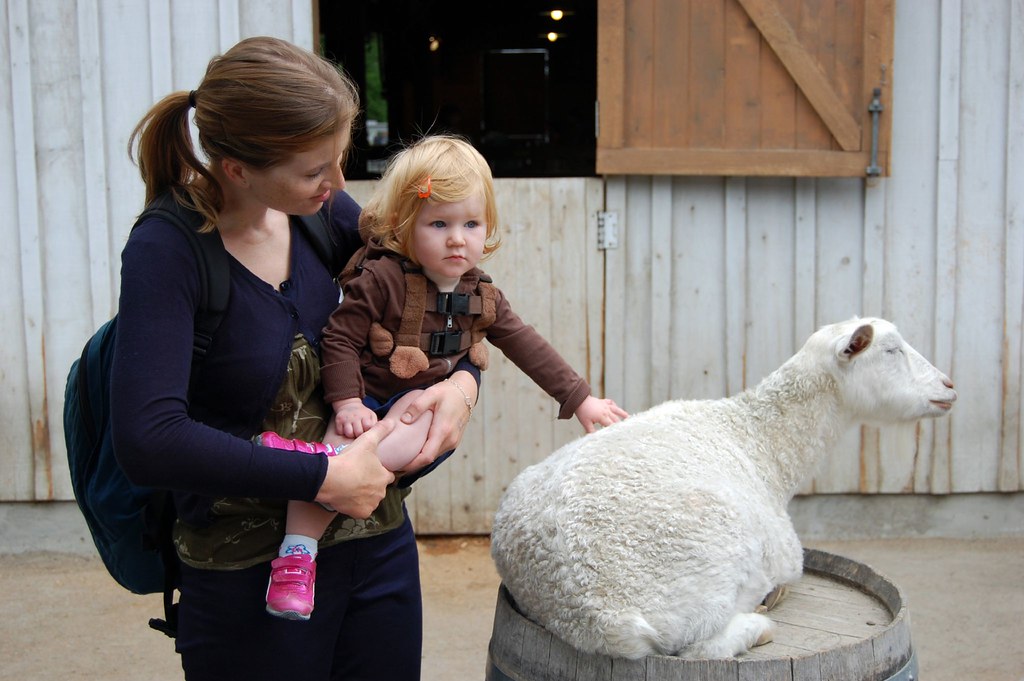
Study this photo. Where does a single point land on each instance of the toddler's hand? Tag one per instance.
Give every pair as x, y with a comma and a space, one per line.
597, 411
352, 418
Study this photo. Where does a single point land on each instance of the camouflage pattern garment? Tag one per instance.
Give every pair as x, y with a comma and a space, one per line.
245, 532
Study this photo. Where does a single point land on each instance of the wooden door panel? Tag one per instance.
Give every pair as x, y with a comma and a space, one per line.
742, 87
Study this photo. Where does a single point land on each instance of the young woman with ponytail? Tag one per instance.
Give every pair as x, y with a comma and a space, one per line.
273, 124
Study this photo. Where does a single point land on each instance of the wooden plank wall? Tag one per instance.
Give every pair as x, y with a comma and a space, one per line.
716, 280
77, 76
720, 280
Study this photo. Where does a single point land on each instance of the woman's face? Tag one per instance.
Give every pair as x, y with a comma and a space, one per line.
301, 184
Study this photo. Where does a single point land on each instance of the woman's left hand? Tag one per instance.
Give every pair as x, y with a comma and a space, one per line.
450, 401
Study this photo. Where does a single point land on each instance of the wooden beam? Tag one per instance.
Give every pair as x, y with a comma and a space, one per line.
797, 163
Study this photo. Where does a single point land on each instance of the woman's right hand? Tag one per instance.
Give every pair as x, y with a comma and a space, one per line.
356, 481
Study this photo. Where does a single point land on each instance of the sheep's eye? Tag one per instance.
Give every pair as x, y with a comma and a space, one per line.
895, 350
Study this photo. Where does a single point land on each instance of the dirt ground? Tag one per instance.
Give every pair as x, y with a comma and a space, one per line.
64, 618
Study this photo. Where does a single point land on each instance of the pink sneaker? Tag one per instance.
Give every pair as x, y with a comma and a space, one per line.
275, 441
291, 588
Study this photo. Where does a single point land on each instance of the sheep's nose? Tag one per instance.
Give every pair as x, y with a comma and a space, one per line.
949, 384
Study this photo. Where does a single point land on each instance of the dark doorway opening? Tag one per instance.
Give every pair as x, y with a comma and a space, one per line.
520, 84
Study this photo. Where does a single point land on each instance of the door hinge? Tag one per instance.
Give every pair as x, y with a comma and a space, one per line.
607, 230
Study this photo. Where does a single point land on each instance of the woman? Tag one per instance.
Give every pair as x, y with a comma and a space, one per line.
274, 122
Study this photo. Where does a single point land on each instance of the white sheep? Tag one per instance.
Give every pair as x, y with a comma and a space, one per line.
662, 534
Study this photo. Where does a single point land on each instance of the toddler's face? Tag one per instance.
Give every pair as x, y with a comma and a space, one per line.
448, 239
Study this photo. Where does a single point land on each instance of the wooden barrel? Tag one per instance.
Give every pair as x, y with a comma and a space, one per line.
841, 622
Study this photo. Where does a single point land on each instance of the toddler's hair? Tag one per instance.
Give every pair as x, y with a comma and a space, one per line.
435, 169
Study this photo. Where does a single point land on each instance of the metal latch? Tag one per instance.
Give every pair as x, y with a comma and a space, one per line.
607, 230
875, 109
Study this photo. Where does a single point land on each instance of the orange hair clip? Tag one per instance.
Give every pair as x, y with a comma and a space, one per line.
425, 192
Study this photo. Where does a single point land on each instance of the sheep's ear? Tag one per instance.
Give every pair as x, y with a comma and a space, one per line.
857, 343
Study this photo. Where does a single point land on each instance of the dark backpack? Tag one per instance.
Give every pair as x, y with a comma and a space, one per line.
131, 525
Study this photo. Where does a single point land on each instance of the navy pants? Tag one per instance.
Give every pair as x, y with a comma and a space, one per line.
367, 622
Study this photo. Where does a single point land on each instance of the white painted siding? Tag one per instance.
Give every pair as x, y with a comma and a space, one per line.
77, 77
715, 282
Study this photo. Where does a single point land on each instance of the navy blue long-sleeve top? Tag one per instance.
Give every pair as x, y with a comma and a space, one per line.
202, 448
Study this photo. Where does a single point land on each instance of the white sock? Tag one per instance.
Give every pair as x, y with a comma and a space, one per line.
298, 545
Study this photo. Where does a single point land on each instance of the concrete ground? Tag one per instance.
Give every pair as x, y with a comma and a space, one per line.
64, 618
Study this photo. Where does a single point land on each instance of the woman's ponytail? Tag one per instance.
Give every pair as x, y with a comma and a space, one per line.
161, 146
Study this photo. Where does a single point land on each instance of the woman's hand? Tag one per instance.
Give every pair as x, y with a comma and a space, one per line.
356, 481
451, 401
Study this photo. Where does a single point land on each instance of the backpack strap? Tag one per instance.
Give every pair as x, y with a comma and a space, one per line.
214, 269
319, 234
162, 516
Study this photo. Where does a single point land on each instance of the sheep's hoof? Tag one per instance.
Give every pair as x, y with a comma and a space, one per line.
775, 597
767, 636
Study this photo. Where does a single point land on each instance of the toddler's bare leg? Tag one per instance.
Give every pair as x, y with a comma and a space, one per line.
402, 444
308, 519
